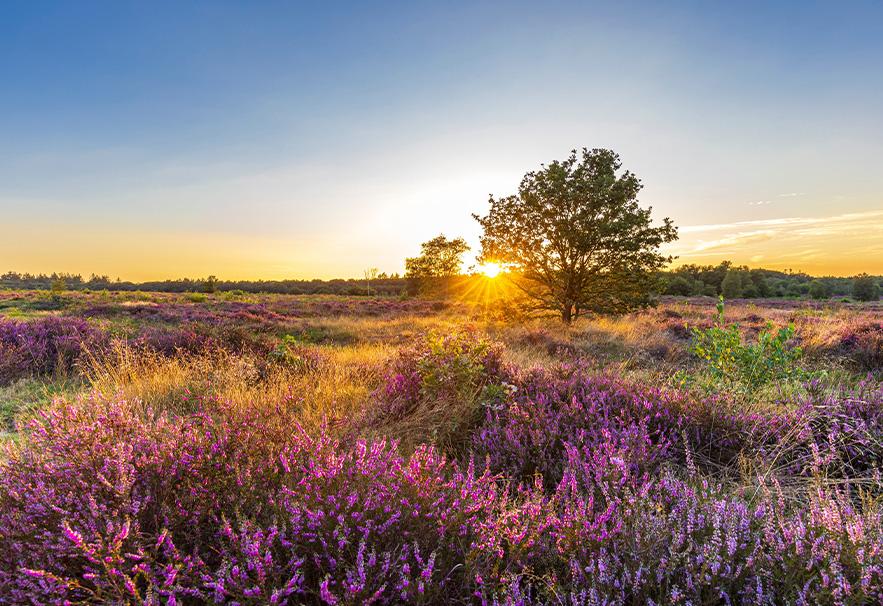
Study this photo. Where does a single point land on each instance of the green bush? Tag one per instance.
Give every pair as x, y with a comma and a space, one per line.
749, 366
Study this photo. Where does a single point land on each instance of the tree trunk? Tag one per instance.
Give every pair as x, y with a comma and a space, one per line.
567, 314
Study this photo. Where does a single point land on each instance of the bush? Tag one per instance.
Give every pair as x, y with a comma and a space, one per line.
231, 510
679, 286
749, 366
863, 345
436, 391
45, 346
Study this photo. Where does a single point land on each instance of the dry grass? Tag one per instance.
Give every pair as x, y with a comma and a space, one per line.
335, 388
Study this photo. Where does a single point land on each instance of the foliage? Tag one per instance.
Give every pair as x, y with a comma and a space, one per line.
863, 345
210, 285
435, 391
864, 288
59, 285
819, 290
679, 285
731, 286
230, 506
45, 346
750, 365
439, 261
577, 238
439, 258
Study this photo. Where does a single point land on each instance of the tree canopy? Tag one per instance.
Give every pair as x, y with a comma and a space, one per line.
864, 288
576, 238
439, 258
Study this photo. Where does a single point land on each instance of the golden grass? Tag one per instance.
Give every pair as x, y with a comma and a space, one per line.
333, 390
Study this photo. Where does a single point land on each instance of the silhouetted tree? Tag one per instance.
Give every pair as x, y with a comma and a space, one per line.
210, 284
440, 259
370, 274
576, 237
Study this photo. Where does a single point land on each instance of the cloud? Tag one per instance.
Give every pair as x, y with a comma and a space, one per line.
791, 195
845, 243
760, 203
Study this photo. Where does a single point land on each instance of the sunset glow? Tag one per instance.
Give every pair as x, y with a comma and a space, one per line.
491, 269
247, 149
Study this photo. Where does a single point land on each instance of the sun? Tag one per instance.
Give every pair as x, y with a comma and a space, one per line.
490, 269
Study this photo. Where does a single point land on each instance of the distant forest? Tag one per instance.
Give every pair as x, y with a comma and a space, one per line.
688, 280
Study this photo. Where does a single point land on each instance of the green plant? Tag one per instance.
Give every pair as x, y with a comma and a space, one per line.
751, 366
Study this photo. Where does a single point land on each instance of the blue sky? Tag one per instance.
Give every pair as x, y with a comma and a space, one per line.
296, 140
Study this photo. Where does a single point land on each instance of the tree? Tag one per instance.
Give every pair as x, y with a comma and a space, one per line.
59, 285
864, 288
679, 285
370, 274
439, 260
731, 287
576, 239
819, 290
210, 284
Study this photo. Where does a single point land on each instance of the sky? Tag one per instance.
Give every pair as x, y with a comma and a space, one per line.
151, 140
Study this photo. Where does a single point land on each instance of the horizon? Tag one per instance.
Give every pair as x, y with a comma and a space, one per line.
284, 142
389, 275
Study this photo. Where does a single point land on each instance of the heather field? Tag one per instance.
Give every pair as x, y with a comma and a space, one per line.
272, 449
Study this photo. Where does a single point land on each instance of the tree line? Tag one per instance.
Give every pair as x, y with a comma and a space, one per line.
381, 284
726, 279
738, 282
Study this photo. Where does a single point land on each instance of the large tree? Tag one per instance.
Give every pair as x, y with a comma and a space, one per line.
576, 238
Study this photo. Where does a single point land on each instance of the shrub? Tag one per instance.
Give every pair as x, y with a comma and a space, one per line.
863, 344
45, 346
232, 510
436, 391
680, 286
566, 408
749, 366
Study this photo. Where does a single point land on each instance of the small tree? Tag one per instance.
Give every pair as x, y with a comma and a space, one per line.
210, 284
440, 259
576, 238
370, 274
59, 285
864, 288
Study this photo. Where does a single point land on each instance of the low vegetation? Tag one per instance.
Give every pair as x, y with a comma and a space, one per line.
291, 450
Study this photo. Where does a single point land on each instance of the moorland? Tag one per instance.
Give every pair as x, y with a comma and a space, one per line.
276, 449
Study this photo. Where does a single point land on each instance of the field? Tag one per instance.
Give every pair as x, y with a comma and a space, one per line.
273, 449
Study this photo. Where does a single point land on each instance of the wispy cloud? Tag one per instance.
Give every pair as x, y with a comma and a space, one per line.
760, 203
840, 243
791, 195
